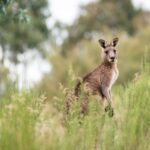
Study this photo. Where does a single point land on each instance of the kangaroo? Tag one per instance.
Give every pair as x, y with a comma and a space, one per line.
100, 80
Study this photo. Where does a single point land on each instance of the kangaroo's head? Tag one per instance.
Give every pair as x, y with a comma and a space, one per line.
109, 53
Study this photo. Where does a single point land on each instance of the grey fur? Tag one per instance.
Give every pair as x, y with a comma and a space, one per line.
100, 80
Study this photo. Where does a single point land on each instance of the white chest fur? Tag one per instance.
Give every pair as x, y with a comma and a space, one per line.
114, 77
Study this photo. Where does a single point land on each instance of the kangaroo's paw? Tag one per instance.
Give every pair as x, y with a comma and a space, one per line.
111, 112
107, 108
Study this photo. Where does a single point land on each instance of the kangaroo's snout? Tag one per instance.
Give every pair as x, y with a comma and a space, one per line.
112, 59
109, 55
112, 56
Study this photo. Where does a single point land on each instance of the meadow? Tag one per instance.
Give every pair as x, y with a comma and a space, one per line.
33, 98
29, 122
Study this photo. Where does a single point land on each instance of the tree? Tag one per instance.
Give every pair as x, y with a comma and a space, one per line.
114, 15
17, 33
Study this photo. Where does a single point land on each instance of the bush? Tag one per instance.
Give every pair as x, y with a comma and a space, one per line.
27, 121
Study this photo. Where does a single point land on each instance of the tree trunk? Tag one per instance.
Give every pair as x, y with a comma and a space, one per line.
3, 54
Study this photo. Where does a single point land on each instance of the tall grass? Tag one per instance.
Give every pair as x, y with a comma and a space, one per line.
30, 122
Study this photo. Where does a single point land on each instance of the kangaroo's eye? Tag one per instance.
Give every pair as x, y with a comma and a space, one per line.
106, 52
114, 51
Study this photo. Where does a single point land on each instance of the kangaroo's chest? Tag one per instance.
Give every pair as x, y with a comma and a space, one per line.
114, 76
105, 76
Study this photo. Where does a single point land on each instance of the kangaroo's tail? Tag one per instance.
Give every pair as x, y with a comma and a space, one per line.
78, 88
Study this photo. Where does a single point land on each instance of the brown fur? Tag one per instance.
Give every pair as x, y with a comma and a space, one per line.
100, 80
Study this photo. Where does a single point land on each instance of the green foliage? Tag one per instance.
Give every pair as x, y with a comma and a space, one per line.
23, 27
21, 15
18, 116
100, 16
3, 5
27, 121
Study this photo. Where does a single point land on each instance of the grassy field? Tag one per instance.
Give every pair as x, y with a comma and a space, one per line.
29, 122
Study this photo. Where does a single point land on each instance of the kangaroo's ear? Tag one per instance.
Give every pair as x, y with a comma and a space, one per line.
102, 43
115, 41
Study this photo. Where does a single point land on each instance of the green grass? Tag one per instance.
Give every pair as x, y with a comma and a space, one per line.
31, 122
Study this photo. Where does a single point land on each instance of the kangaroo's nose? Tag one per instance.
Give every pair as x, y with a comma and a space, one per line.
112, 58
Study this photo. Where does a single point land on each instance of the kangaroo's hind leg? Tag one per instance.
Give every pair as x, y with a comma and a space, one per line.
106, 93
111, 101
103, 101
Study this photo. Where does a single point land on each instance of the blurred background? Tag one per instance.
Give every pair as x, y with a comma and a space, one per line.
45, 45
40, 40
